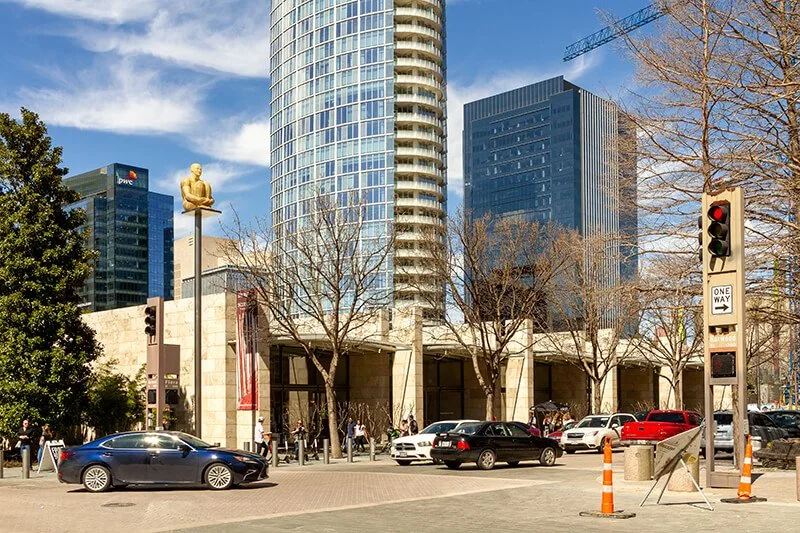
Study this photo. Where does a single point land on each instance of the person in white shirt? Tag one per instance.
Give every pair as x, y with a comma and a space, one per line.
258, 437
361, 436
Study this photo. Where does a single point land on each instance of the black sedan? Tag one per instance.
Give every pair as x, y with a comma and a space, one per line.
788, 420
157, 458
487, 443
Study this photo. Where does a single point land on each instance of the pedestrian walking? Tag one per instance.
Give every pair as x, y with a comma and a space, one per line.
299, 434
361, 436
165, 423
44, 438
546, 426
404, 428
532, 416
351, 434
413, 428
258, 437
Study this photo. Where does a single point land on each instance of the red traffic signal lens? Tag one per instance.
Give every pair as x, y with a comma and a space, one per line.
718, 213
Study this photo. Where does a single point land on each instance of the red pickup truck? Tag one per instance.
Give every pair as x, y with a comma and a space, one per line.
659, 425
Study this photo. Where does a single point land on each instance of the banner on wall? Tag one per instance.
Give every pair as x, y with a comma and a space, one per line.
246, 351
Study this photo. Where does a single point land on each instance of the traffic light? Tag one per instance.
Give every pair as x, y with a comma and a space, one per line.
719, 233
150, 320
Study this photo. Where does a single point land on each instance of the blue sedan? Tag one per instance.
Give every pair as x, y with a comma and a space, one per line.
157, 458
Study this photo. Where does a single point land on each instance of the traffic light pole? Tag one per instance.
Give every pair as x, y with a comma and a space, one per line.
724, 315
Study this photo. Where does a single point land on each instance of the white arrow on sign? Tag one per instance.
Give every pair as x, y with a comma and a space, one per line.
721, 299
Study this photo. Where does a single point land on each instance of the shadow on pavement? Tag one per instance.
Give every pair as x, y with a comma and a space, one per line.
174, 488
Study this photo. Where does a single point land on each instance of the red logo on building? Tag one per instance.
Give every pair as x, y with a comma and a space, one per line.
131, 175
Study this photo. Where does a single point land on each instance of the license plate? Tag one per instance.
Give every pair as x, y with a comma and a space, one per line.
444, 444
402, 454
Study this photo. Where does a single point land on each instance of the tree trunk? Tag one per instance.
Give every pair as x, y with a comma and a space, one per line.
677, 389
597, 397
333, 422
489, 405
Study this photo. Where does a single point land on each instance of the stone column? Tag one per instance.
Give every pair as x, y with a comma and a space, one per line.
407, 378
638, 463
519, 376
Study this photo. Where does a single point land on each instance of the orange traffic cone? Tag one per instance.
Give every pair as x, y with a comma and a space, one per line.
745, 482
607, 503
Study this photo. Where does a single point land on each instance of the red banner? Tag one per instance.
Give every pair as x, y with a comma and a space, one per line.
246, 351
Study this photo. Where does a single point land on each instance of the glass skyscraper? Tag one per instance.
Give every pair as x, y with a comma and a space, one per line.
551, 152
358, 110
132, 231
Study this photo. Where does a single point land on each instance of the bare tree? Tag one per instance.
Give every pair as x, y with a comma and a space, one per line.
324, 280
597, 312
672, 318
494, 272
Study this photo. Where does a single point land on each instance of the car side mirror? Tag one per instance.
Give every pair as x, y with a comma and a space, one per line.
614, 426
185, 448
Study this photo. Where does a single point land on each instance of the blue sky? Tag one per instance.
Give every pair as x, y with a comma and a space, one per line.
163, 83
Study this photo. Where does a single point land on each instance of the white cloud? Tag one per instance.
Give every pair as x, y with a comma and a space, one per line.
223, 177
120, 98
246, 142
459, 94
113, 11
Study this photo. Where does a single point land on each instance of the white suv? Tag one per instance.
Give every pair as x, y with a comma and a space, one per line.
589, 433
417, 447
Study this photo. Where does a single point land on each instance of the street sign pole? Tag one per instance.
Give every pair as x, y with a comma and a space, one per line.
724, 306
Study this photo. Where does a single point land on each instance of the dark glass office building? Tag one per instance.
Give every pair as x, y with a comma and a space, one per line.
131, 228
551, 152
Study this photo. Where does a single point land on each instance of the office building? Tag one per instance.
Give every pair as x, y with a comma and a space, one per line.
131, 228
358, 110
213, 258
550, 151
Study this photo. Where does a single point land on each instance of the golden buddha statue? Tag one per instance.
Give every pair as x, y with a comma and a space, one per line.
196, 192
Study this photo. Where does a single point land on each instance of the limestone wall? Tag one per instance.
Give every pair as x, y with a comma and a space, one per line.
635, 388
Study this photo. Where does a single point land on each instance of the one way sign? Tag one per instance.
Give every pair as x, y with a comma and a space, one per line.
721, 299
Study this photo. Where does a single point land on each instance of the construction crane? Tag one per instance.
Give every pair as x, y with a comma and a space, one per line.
612, 31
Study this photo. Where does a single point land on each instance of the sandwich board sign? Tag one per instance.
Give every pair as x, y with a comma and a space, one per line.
672, 453
50, 455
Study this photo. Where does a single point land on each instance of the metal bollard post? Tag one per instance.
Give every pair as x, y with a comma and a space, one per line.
301, 452
371, 448
1, 463
326, 452
349, 450
247, 446
26, 462
274, 444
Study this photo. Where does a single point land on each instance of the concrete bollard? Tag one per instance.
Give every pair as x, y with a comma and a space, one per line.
326, 451
26, 462
638, 463
1, 463
247, 446
301, 452
371, 449
349, 450
680, 481
275, 460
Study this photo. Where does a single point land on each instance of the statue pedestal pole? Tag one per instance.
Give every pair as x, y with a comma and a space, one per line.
199, 213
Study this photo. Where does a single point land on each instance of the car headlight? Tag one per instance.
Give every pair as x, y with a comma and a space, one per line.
241, 458
424, 443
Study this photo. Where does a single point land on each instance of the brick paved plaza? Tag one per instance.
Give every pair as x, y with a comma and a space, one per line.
385, 497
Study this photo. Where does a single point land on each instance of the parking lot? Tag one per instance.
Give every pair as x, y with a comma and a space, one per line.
385, 496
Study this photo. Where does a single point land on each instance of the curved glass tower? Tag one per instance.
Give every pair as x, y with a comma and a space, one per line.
358, 105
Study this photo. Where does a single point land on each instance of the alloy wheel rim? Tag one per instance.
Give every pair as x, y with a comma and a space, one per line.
96, 478
549, 456
487, 459
219, 476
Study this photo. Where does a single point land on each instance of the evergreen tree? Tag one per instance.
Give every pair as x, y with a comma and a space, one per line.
45, 347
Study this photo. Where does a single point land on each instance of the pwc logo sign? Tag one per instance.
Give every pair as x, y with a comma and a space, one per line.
126, 180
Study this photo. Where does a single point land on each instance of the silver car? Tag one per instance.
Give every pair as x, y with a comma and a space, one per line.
762, 428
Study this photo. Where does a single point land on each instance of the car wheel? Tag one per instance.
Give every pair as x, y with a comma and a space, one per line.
403, 463
548, 457
452, 465
97, 478
570, 451
219, 477
486, 460
513, 463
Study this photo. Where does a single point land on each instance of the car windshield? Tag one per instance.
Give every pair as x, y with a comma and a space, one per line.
439, 427
666, 417
723, 419
468, 429
194, 442
593, 422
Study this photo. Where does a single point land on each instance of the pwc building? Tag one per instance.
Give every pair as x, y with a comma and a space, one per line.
131, 229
